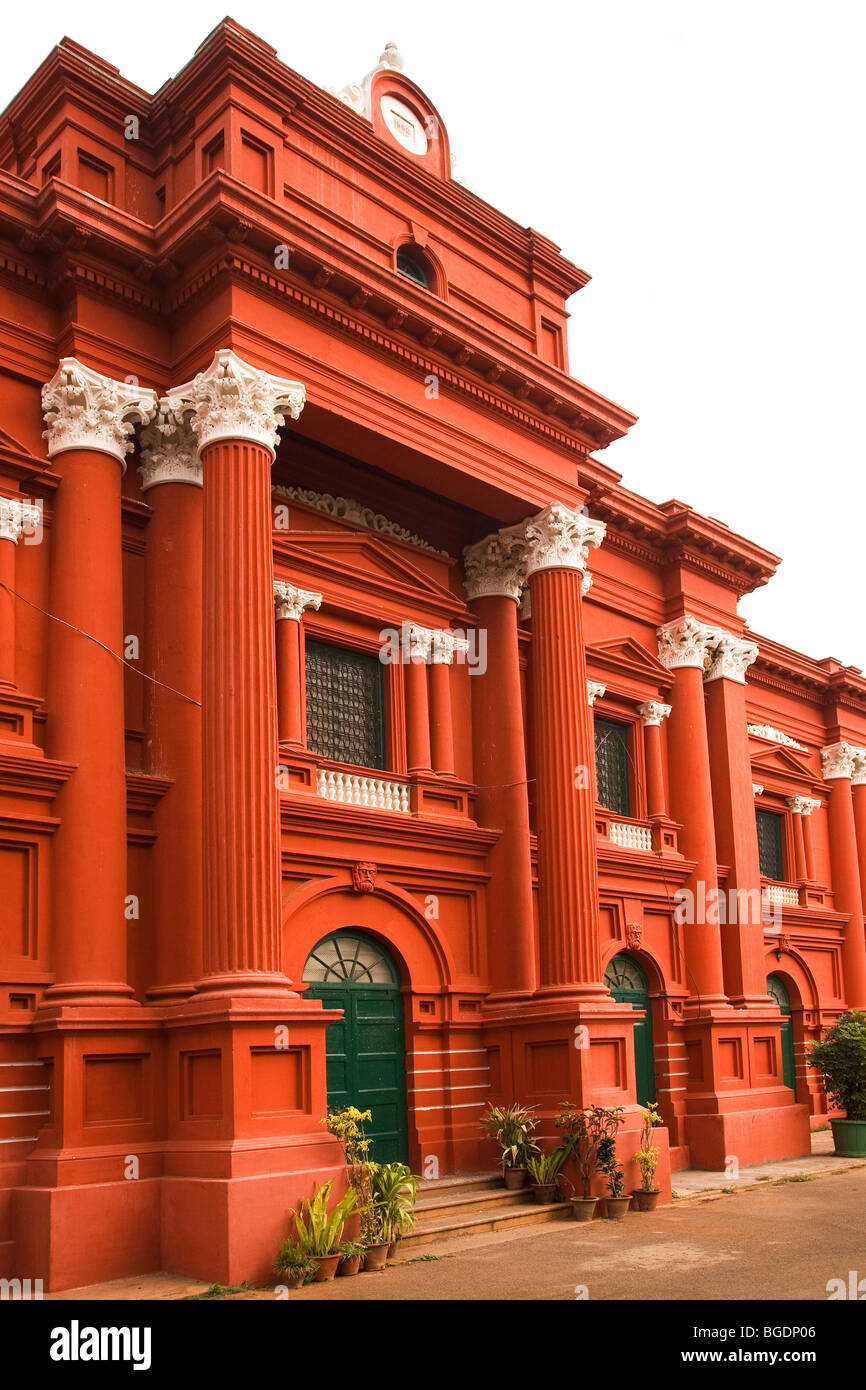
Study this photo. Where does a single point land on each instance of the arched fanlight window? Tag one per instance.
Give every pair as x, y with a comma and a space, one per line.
776, 990
348, 956
412, 264
624, 973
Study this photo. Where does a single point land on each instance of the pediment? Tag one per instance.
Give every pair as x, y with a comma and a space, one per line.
626, 656
16, 459
784, 762
363, 566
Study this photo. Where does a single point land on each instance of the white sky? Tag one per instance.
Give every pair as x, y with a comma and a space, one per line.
704, 162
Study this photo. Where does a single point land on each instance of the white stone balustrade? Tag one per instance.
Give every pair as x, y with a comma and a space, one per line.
352, 790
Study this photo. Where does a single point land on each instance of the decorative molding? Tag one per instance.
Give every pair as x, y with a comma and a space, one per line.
559, 538
364, 876
232, 400
594, 691
446, 645
417, 642
18, 517
85, 410
757, 789
682, 643
292, 603
348, 509
493, 567
169, 450
728, 657
837, 760
775, 736
633, 935
653, 713
859, 778
357, 94
802, 805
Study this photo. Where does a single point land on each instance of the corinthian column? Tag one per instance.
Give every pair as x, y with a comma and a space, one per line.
556, 544
444, 648
171, 480
801, 808
16, 518
837, 765
494, 577
234, 411
290, 605
742, 927
417, 645
652, 712
89, 424
682, 649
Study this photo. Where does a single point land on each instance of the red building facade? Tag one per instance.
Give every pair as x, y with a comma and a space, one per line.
361, 735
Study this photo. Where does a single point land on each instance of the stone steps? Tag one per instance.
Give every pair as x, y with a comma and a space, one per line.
468, 1205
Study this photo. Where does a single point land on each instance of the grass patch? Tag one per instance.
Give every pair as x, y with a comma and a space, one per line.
729, 1191
796, 1177
219, 1291
425, 1259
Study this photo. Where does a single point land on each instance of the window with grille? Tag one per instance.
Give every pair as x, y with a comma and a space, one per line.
611, 766
770, 844
345, 705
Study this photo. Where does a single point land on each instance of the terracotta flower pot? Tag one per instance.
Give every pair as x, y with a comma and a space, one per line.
292, 1278
646, 1201
583, 1208
348, 1267
326, 1267
543, 1192
375, 1257
515, 1178
617, 1207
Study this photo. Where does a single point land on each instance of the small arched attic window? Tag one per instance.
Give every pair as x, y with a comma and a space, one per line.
416, 265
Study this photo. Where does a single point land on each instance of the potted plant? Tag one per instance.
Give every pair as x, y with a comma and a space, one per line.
512, 1126
351, 1253
372, 1225
293, 1265
543, 1172
319, 1231
840, 1057
583, 1131
395, 1189
647, 1157
617, 1200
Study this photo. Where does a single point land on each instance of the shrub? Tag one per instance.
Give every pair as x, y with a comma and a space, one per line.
840, 1057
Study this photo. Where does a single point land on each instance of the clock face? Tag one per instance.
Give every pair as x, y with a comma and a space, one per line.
406, 126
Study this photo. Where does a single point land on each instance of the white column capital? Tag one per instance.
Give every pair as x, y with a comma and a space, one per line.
85, 410
494, 567
446, 645
653, 712
169, 450
594, 691
17, 517
859, 778
802, 805
837, 760
292, 603
757, 789
682, 642
728, 657
232, 400
559, 538
417, 642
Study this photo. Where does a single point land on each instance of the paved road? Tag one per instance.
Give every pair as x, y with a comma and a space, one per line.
766, 1242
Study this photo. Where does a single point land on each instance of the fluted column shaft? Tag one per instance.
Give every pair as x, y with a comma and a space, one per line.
500, 771
569, 938
838, 766
241, 840
173, 651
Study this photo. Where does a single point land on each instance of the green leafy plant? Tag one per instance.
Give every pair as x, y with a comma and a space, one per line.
840, 1057
349, 1250
544, 1168
609, 1120
292, 1258
347, 1123
647, 1156
395, 1189
512, 1127
318, 1230
585, 1132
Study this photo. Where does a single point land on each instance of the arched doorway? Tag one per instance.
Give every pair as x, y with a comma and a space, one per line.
365, 1051
778, 990
629, 985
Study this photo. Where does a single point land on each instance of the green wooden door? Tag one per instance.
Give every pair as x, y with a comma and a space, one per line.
365, 1048
629, 985
777, 990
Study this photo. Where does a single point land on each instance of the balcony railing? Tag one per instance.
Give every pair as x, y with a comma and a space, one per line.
631, 836
780, 895
352, 790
